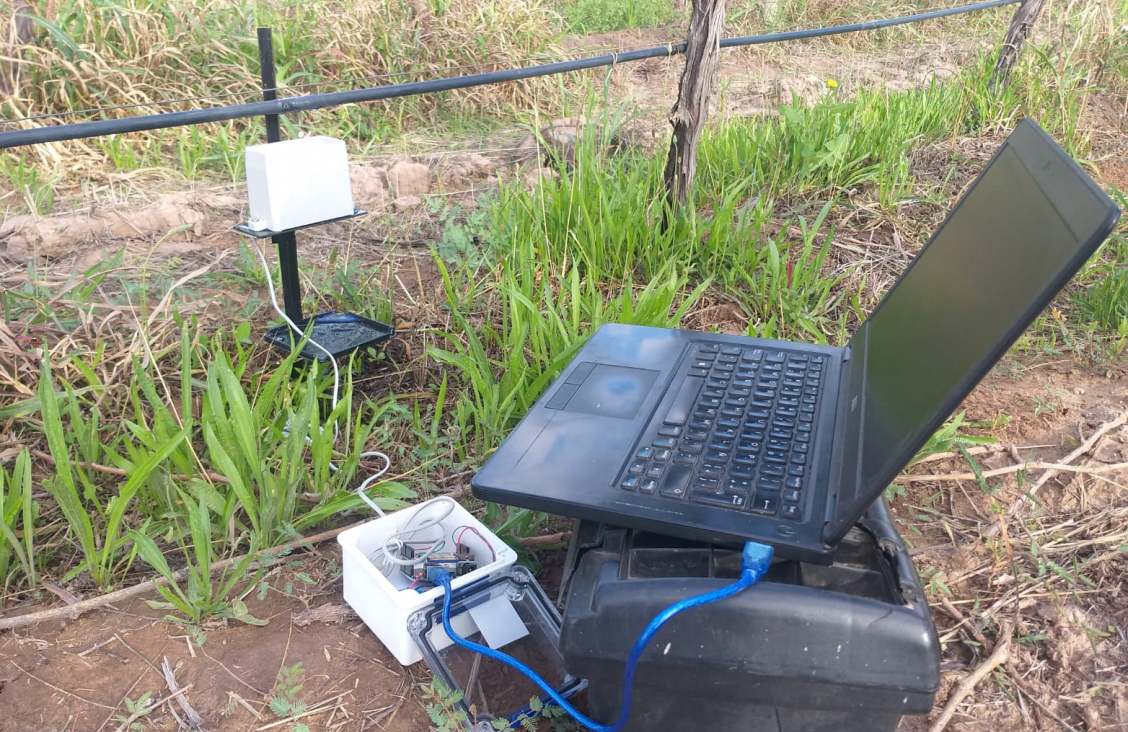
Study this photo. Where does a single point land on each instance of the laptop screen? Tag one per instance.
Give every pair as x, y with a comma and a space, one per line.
1012, 242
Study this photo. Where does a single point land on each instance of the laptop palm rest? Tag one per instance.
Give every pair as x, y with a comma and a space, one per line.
606, 391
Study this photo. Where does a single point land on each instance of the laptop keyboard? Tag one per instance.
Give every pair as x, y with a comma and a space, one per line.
738, 433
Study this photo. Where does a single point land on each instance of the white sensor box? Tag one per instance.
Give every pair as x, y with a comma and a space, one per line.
296, 183
385, 603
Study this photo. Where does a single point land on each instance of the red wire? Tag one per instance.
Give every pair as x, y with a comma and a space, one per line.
458, 540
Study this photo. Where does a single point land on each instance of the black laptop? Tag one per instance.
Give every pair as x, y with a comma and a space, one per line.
728, 438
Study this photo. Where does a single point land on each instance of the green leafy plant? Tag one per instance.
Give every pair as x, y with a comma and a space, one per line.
933, 579
949, 438
542, 324
788, 292
62, 486
284, 701
464, 239
208, 591
951, 435
35, 186
558, 719
17, 513
197, 636
442, 707
1105, 302
103, 557
122, 151
138, 710
428, 437
1049, 403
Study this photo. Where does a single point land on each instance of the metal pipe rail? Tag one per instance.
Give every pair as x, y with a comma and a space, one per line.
81, 130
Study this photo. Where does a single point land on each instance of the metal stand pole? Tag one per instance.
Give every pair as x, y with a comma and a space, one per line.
287, 243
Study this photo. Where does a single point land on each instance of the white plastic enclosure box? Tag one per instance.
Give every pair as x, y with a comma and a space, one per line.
382, 605
296, 183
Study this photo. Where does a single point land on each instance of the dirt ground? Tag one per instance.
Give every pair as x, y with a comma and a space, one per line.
1072, 664
53, 681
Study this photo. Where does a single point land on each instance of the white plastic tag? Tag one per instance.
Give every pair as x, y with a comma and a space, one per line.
499, 622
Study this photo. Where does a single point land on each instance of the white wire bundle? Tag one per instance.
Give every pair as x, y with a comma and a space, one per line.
391, 560
336, 391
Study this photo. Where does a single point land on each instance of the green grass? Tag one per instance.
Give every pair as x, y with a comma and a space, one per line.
18, 512
35, 187
101, 53
176, 442
98, 53
211, 447
746, 17
206, 593
1104, 300
540, 323
867, 141
602, 16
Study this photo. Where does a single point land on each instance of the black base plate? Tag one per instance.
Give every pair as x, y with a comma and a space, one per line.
245, 228
338, 333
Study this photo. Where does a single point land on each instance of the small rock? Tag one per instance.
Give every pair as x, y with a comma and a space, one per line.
369, 186
409, 179
406, 203
1003, 579
464, 170
534, 177
556, 142
1078, 391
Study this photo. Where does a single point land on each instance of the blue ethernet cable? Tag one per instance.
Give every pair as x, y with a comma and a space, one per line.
754, 563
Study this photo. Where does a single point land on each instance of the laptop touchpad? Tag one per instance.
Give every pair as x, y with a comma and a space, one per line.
613, 391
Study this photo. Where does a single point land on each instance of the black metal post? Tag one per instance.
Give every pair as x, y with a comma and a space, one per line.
287, 243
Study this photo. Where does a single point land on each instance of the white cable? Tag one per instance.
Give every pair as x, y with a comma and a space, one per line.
336, 390
409, 530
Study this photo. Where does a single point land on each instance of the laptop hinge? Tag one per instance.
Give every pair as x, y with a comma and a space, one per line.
836, 452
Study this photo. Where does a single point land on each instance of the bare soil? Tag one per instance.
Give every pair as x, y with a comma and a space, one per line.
67, 676
50, 683
1073, 659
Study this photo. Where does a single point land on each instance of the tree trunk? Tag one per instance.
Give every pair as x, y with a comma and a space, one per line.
18, 33
702, 57
1020, 28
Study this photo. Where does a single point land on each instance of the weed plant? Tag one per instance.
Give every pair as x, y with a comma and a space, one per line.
18, 512
215, 458
603, 16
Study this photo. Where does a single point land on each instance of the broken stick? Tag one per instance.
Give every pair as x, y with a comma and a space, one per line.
94, 603
1036, 465
998, 657
1019, 504
195, 721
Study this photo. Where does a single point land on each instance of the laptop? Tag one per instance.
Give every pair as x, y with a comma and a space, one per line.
723, 438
